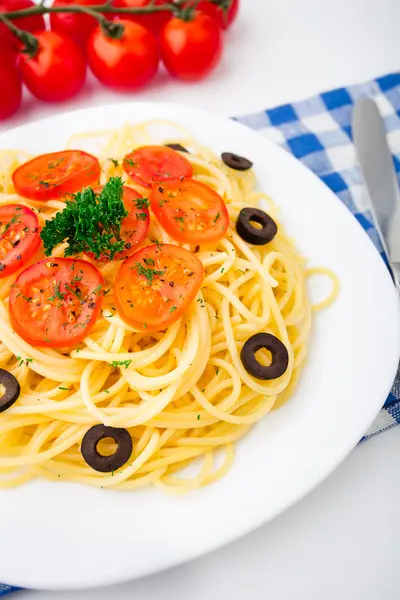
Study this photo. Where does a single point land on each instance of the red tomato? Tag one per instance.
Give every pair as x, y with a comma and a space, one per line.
32, 24
125, 63
19, 237
156, 163
76, 26
191, 49
55, 302
58, 69
155, 22
134, 227
11, 89
214, 11
55, 174
189, 211
155, 285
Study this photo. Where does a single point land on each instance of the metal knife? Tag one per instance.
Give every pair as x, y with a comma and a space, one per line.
377, 165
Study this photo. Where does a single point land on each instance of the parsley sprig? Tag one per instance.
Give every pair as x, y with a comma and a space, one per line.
91, 222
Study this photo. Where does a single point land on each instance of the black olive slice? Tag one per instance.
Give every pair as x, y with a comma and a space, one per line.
280, 356
12, 390
177, 147
254, 235
234, 161
99, 462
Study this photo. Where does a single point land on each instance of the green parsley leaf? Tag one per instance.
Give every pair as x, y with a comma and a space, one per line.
91, 222
120, 363
148, 273
142, 203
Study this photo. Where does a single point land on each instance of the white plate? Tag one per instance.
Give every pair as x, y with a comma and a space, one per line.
59, 535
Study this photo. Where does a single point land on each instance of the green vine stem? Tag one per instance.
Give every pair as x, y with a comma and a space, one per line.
183, 9
176, 8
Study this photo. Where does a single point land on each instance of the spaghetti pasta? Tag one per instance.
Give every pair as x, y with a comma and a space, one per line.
182, 393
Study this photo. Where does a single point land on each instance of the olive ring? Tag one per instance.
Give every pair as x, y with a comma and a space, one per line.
99, 462
177, 148
280, 356
236, 162
254, 235
12, 390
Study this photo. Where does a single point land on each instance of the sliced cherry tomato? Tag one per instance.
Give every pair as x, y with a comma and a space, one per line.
155, 21
57, 71
55, 174
55, 302
191, 49
77, 26
217, 13
156, 163
126, 62
19, 237
134, 227
190, 211
32, 23
155, 286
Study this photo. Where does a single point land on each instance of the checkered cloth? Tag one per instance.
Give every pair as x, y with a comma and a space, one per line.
317, 131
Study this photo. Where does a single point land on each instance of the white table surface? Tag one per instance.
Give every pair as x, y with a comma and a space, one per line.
343, 540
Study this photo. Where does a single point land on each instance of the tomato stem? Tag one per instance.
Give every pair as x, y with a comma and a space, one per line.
179, 8
29, 41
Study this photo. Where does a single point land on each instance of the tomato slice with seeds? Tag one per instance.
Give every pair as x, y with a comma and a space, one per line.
19, 237
156, 163
55, 302
134, 227
154, 287
190, 211
50, 176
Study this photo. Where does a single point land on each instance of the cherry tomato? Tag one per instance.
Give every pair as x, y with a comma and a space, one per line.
154, 22
214, 11
156, 163
19, 237
77, 26
55, 302
11, 88
55, 174
155, 285
32, 24
189, 211
134, 227
58, 69
191, 49
125, 63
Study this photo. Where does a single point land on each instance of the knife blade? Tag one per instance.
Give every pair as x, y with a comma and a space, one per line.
376, 162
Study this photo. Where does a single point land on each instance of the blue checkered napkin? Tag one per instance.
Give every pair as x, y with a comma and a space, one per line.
6, 589
317, 131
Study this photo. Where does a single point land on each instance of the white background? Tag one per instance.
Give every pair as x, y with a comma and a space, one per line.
343, 540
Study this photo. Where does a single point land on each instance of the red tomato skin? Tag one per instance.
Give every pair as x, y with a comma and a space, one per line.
191, 49
213, 11
21, 318
31, 24
180, 295
29, 240
126, 63
168, 159
35, 190
11, 89
154, 22
169, 211
57, 72
77, 27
